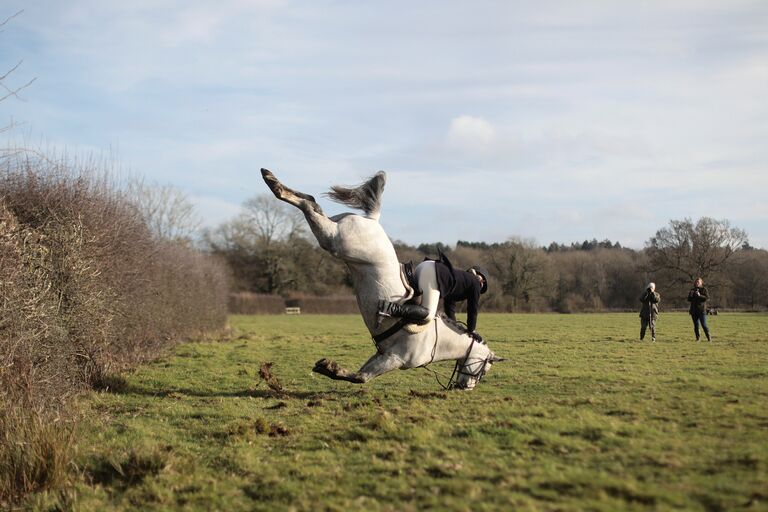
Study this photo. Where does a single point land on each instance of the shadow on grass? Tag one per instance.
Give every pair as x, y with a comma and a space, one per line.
242, 393
128, 469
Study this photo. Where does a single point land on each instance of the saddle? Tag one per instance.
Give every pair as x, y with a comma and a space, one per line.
408, 276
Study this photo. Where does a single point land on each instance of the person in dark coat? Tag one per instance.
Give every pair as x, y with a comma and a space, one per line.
649, 311
438, 279
698, 297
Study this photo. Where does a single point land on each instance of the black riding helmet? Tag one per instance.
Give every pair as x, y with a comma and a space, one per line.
480, 270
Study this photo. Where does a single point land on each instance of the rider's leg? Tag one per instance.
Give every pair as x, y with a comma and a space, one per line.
420, 314
426, 275
411, 312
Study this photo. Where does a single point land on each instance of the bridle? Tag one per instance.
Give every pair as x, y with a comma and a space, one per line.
466, 368
461, 369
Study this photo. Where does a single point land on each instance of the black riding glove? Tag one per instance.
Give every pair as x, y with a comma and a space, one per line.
476, 336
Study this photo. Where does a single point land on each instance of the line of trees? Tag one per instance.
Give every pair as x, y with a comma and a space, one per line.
270, 252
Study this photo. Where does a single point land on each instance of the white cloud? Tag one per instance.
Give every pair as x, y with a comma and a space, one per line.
470, 134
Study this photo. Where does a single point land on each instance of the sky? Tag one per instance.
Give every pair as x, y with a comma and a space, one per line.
548, 120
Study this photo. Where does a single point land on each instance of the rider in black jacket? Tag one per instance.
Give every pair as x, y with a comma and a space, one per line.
458, 285
436, 279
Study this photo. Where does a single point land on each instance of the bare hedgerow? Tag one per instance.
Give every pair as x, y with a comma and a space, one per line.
114, 294
86, 290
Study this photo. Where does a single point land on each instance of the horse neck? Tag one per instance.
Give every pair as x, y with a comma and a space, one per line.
373, 282
452, 345
368, 252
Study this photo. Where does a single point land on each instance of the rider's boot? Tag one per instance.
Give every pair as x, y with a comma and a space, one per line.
412, 312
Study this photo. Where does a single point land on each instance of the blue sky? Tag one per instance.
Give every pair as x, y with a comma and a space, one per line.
552, 120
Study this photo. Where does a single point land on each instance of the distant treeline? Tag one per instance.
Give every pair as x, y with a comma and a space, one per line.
270, 252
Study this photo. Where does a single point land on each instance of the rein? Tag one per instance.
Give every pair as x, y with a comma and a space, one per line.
458, 367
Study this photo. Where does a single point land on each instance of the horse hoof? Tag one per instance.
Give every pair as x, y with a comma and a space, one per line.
272, 182
327, 363
325, 366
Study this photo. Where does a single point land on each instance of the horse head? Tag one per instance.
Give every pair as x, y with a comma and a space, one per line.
473, 368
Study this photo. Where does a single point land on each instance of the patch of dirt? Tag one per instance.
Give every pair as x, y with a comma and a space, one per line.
620, 412
278, 431
428, 394
438, 472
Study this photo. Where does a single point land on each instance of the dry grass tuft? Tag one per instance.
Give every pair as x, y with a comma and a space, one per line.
36, 452
131, 468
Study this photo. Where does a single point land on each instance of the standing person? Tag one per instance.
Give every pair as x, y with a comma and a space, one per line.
649, 311
438, 279
698, 297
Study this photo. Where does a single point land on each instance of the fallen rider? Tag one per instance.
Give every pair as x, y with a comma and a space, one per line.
438, 278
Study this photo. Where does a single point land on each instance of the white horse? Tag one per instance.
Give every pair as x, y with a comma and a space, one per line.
362, 244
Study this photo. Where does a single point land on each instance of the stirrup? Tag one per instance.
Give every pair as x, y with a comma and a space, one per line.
385, 308
383, 311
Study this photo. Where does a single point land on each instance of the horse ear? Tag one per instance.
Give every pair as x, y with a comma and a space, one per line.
495, 359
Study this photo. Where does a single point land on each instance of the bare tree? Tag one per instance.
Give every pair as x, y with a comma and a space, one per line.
8, 91
748, 273
272, 220
166, 210
261, 243
687, 250
522, 269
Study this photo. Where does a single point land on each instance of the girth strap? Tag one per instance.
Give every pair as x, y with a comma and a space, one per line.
378, 338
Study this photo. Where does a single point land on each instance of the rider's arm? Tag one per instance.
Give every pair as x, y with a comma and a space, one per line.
449, 306
473, 299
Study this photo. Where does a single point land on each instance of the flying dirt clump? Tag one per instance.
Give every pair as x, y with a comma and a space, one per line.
265, 372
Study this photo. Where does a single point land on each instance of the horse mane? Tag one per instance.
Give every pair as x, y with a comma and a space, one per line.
455, 325
366, 196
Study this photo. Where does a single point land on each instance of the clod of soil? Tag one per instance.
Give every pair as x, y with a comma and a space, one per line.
278, 431
265, 372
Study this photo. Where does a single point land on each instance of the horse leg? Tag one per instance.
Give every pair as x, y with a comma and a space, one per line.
324, 229
375, 366
290, 196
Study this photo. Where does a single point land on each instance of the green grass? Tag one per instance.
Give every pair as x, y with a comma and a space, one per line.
580, 416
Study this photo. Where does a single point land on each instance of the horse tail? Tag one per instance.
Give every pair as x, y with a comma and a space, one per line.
366, 197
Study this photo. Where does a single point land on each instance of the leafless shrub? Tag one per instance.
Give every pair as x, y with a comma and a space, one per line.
86, 290
166, 210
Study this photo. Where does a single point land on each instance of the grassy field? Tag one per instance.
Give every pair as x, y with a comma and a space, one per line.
581, 416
